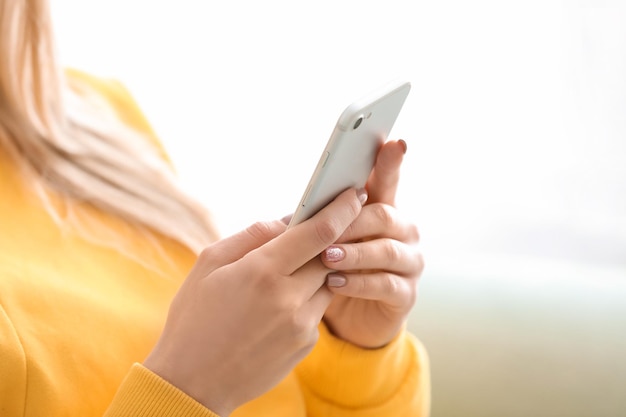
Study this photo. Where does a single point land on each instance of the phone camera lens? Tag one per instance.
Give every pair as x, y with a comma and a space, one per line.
358, 122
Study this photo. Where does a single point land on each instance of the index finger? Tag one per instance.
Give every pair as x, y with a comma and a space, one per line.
305, 241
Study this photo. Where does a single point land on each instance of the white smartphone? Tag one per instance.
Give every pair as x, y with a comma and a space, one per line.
350, 153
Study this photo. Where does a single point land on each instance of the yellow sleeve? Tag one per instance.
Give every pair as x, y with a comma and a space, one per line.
145, 394
341, 380
12, 369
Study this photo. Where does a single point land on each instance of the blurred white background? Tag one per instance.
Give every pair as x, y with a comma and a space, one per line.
516, 125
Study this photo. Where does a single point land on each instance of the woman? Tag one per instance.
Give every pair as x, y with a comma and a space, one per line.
118, 298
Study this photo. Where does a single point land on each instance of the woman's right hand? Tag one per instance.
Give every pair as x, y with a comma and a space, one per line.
248, 311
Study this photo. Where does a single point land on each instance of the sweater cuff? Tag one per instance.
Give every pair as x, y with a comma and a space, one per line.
145, 394
347, 376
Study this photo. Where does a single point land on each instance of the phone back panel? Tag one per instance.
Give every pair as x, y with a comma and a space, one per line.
350, 153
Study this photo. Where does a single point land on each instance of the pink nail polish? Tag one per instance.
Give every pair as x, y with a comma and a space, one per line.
362, 194
404, 147
334, 254
335, 280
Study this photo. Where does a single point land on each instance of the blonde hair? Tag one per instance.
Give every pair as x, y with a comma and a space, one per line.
65, 141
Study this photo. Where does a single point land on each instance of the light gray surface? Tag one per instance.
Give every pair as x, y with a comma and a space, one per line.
524, 337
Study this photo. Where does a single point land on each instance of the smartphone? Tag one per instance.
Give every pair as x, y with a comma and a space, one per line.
350, 154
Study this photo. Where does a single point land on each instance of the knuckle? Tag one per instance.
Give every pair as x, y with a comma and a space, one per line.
392, 251
350, 231
308, 340
384, 215
412, 296
399, 291
327, 230
420, 263
314, 336
285, 303
207, 256
355, 255
303, 329
391, 285
262, 230
298, 325
416, 266
412, 281
362, 285
413, 232
355, 208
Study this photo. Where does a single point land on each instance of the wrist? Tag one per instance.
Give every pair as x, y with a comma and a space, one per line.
145, 393
364, 341
185, 379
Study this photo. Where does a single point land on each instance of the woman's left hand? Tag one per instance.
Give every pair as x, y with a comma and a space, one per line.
377, 263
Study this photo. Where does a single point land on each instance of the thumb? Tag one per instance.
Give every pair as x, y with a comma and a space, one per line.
383, 181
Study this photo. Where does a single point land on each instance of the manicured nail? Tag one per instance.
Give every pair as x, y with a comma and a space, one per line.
362, 194
403, 143
335, 280
334, 254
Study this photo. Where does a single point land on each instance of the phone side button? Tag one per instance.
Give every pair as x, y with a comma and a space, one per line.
326, 155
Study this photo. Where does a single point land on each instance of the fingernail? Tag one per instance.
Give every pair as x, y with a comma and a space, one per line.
336, 280
334, 254
403, 143
287, 218
362, 194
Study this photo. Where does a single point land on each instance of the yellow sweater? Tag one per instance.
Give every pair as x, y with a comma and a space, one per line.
76, 320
